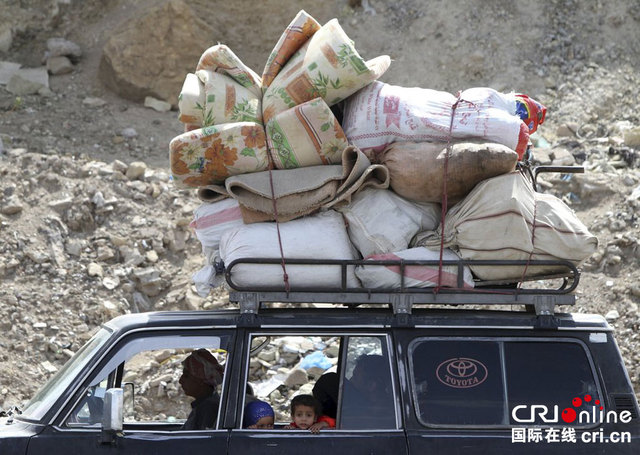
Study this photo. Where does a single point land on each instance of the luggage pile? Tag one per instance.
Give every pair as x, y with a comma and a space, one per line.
318, 159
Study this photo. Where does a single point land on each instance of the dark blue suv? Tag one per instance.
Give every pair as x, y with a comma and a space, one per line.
449, 380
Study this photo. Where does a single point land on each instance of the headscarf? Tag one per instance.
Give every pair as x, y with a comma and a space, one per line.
326, 392
203, 365
256, 410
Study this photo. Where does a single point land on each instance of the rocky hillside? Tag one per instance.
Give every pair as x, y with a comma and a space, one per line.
91, 226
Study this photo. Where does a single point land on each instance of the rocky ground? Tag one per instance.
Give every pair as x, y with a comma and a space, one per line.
91, 226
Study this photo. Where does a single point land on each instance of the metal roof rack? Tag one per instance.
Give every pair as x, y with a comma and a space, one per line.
402, 299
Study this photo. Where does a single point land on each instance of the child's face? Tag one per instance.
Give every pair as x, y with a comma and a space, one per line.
304, 416
265, 423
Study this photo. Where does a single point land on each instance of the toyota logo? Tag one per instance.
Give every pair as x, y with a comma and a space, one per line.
461, 368
462, 373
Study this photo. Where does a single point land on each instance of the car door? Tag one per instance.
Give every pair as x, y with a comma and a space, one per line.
148, 365
367, 422
475, 394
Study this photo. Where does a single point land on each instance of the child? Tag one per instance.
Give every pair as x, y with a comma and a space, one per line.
258, 415
306, 415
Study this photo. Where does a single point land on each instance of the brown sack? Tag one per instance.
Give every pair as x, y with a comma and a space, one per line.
417, 169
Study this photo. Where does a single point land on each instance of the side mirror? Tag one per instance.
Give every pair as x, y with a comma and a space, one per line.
112, 416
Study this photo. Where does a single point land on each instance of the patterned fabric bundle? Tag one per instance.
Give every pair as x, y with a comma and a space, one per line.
306, 135
191, 102
297, 33
209, 98
221, 59
209, 155
327, 66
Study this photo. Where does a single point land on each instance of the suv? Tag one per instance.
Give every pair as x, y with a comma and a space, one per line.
450, 380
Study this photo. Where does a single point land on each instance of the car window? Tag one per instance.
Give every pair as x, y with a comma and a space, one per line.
451, 375
368, 399
489, 378
357, 393
549, 374
46, 396
150, 368
281, 367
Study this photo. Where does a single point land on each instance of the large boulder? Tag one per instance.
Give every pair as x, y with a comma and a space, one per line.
149, 55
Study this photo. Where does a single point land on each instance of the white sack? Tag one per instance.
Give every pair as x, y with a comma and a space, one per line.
417, 276
206, 279
379, 221
495, 221
211, 220
322, 236
380, 114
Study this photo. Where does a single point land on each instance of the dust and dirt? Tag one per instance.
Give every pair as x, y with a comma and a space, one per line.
91, 226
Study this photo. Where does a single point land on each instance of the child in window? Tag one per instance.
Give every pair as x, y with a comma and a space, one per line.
258, 415
306, 413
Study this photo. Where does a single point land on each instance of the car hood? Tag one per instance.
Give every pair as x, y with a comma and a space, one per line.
15, 435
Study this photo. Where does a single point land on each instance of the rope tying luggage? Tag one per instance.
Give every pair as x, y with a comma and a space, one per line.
285, 276
533, 239
444, 202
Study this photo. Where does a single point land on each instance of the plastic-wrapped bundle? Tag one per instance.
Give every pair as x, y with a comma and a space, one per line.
381, 114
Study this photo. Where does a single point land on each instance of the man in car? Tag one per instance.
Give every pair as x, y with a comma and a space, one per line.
201, 375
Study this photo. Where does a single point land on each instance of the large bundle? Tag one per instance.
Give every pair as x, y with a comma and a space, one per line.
279, 149
322, 236
415, 276
417, 169
504, 218
301, 191
223, 106
210, 221
379, 221
209, 155
381, 114
326, 66
306, 135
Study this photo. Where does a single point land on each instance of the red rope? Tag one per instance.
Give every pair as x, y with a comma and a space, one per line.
533, 239
444, 192
285, 276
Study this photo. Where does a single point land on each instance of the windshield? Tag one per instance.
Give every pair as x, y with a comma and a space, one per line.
38, 406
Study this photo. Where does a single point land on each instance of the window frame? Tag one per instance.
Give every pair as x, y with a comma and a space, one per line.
99, 365
344, 336
501, 349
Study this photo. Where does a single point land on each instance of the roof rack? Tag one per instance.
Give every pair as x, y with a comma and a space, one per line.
402, 299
